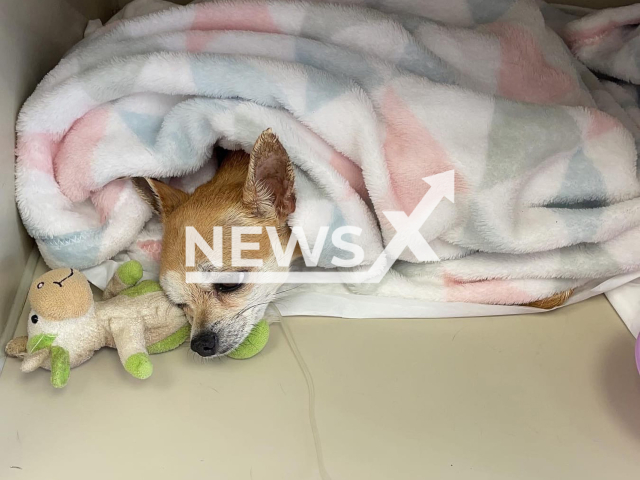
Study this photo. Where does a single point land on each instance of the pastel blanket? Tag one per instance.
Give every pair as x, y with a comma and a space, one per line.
367, 102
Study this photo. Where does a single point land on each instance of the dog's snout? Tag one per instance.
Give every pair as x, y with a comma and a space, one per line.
205, 344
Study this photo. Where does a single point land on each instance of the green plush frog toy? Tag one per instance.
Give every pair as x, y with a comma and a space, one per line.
66, 326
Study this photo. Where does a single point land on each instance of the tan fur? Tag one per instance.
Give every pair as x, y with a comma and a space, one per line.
553, 301
248, 190
45, 297
171, 197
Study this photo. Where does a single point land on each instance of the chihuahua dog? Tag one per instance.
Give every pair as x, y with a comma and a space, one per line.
255, 190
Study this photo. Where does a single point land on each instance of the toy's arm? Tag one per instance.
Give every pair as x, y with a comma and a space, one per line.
128, 335
17, 347
60, 364
127, 275
31, 361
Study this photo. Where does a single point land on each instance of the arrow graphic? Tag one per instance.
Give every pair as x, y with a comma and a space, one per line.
408, 227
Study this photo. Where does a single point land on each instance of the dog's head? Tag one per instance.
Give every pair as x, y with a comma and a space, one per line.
254, 190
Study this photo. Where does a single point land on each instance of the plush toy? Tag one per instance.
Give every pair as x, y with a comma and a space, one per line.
66, 326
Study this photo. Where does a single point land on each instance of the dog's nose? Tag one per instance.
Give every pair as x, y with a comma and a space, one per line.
205, 344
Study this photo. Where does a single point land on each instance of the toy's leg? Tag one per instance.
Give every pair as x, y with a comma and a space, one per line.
60, 367
129, 339
127, 275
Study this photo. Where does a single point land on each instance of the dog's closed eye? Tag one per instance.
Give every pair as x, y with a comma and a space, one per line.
227, 287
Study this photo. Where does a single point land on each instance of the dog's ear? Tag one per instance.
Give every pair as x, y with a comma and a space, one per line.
268, 189
162, 198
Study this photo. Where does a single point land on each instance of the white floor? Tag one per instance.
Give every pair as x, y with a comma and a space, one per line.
551, 396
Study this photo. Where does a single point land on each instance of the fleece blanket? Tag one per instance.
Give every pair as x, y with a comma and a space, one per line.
367, 100
608, 41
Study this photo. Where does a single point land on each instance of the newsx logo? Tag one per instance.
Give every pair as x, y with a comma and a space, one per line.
407, 236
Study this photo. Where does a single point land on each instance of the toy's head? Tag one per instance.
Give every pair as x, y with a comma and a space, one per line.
61, 302
58, 295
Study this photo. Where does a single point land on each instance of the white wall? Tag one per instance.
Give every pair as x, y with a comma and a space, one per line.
102, 9
34, 34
